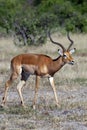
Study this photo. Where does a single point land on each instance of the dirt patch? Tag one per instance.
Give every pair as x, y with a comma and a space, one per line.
72, 113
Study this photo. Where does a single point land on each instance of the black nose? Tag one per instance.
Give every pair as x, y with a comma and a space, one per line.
72, 62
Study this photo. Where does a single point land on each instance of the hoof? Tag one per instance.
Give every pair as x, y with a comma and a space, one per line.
58, 105
23, 106
34, 107
2, 105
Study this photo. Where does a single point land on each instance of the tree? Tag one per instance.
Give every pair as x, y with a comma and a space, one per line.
30, 19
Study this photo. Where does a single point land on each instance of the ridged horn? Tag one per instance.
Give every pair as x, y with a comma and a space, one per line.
57, 43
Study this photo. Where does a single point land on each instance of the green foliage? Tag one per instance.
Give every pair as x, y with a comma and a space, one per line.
31, 22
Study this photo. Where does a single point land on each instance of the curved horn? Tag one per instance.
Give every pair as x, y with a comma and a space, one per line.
57, 43
70, 41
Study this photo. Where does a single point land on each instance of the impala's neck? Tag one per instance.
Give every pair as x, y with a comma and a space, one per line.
58, 64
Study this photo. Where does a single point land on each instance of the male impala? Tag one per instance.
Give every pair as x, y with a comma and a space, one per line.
39, 65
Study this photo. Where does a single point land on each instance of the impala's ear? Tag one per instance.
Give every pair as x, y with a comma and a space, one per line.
60, 52
72, 51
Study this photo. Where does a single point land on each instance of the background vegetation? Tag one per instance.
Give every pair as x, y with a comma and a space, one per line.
29, 20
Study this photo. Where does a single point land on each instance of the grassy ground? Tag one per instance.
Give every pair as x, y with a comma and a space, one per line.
71, 85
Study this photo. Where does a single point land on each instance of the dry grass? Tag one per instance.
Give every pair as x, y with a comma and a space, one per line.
71, 84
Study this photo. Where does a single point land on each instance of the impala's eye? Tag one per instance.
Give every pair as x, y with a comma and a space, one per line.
64, 56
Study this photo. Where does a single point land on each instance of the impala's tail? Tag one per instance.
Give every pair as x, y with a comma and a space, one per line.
16, 70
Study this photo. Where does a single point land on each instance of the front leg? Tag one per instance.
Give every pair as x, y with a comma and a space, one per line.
54, 90
36, 90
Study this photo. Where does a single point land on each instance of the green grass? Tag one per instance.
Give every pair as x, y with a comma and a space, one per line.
80, 81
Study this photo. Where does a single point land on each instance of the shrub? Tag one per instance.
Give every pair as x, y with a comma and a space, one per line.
31, 22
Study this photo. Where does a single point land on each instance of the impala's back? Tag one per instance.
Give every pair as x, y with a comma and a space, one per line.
31, 63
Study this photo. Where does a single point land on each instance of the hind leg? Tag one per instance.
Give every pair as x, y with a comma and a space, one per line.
7, 85
24, 77
19, 88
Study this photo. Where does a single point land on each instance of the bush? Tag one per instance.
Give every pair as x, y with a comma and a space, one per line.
31, 22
